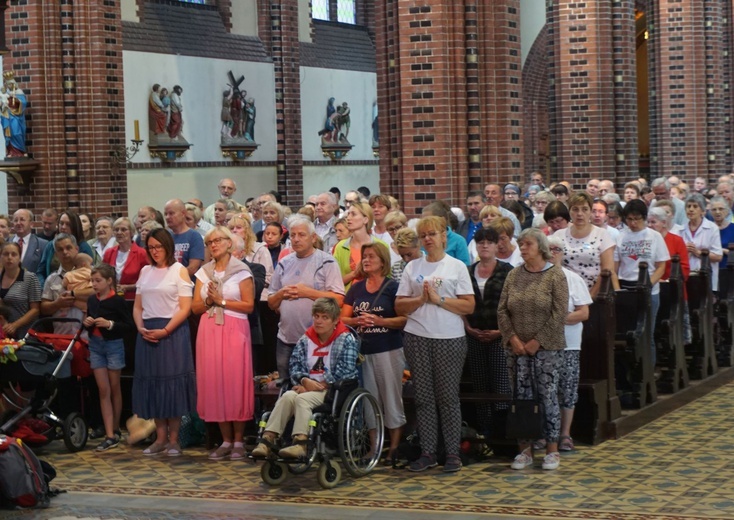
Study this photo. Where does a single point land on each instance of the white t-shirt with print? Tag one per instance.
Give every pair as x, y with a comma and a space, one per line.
451, 279
641, 246
583, 255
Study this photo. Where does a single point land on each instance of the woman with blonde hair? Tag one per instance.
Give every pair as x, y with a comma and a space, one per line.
394, 222
435, 292
348, 252
409, 248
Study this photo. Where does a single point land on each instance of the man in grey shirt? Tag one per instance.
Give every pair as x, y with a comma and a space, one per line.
299, 279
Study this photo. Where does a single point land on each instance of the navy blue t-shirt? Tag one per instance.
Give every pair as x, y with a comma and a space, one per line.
376, 339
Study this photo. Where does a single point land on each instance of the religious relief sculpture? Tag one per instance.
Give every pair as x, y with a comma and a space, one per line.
13, 103
238, 121
335, 133
165, 123
375, 131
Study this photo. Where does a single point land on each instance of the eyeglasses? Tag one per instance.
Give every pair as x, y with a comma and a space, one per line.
430, 234
349, 201
155, 248
393, 229
556, 249
216, 241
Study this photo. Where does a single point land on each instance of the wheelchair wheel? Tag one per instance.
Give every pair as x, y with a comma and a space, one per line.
302, 467
354, 439
329, 474
75, 432
274, 473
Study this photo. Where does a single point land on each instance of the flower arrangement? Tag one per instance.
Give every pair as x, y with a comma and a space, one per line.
8, 347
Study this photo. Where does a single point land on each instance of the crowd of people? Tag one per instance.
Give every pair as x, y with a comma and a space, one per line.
204, 298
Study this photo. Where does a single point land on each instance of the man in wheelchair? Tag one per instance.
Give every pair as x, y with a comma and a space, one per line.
326, 354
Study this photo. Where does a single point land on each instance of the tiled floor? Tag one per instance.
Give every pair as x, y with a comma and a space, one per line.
680, 466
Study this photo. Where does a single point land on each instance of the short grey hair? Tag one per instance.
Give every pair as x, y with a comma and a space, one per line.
332, 198
540, 238
195, 209
65, 236
301, 220
609, 198
554, 241
722, 200
660, 214
696, 198
328, 306
660, 181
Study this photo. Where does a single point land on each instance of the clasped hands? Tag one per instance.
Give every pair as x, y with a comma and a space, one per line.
309, 385
294, 292
520, 348
101, 323
430, 295
152, 335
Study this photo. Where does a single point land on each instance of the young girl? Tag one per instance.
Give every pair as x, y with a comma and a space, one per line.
108, 320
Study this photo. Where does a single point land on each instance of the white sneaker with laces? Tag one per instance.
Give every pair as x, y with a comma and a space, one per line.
523, 460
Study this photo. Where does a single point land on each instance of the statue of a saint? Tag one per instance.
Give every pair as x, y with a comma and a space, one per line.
13, 103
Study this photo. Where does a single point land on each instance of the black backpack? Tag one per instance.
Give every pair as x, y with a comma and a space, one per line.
258, 275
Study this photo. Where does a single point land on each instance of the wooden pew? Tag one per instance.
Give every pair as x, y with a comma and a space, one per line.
724, 311
598, 400
671, 357
633, 356
701, 353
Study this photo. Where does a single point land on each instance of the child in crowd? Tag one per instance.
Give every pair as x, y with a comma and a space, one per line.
79, 281
108, 321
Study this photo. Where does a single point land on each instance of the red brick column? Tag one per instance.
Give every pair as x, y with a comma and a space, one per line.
449, 97
285, 50
592, 102
68, 60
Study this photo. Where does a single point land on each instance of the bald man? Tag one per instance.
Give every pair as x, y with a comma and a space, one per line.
188, 244
227, 189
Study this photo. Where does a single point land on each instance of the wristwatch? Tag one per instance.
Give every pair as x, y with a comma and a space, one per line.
224, 304
441, 301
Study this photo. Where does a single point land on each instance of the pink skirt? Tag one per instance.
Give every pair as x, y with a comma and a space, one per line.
225, 388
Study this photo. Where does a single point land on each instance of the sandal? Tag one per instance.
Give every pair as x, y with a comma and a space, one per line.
565, 443
220, 453
238, 453
154, 449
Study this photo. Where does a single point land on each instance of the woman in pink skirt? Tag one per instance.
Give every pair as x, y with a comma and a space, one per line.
224, 295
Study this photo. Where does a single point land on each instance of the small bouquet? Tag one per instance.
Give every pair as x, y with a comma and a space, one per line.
8, 347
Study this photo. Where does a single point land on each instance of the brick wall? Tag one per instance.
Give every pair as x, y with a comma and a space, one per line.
449, 97
67, 57
535, 105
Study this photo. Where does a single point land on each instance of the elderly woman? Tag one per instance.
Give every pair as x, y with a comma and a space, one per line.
394, 222
721, 212
126, 257
271, 212
533, 190
588, 249
329, 341
507, 251
69, 224
254, 251
435, 292
146, 228
531, 316
194, 220
542, 200
631, 191
370, 305
406, 240
104, 241
569, 371
348, 253
700, 234
20, 292
486, 356
224, 295
164, 384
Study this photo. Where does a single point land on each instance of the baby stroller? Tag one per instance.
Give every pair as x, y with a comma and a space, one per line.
30, 384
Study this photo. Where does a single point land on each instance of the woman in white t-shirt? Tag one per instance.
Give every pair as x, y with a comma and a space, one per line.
579, 300
435, 292
164, 384
507, 250
587, 249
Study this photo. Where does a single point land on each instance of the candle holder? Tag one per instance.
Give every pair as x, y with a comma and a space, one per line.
126, 154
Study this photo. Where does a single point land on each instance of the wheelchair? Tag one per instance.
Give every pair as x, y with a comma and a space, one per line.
337, 430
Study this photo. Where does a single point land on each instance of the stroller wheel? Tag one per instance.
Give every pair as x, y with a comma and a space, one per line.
75, 432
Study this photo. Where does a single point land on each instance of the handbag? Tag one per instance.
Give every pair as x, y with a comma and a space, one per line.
526, 417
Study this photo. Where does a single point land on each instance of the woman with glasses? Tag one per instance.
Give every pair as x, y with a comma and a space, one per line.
588, 249
394, 222
487, 363
164, 384
435, 292
700, 234
638, 243
224, 295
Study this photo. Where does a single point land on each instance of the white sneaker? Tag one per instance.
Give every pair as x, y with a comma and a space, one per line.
552, 460
523, 460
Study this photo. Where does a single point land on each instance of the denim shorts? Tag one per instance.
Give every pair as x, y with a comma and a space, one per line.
109, 354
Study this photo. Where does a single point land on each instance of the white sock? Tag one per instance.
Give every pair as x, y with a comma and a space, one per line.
226, 445
239, 445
